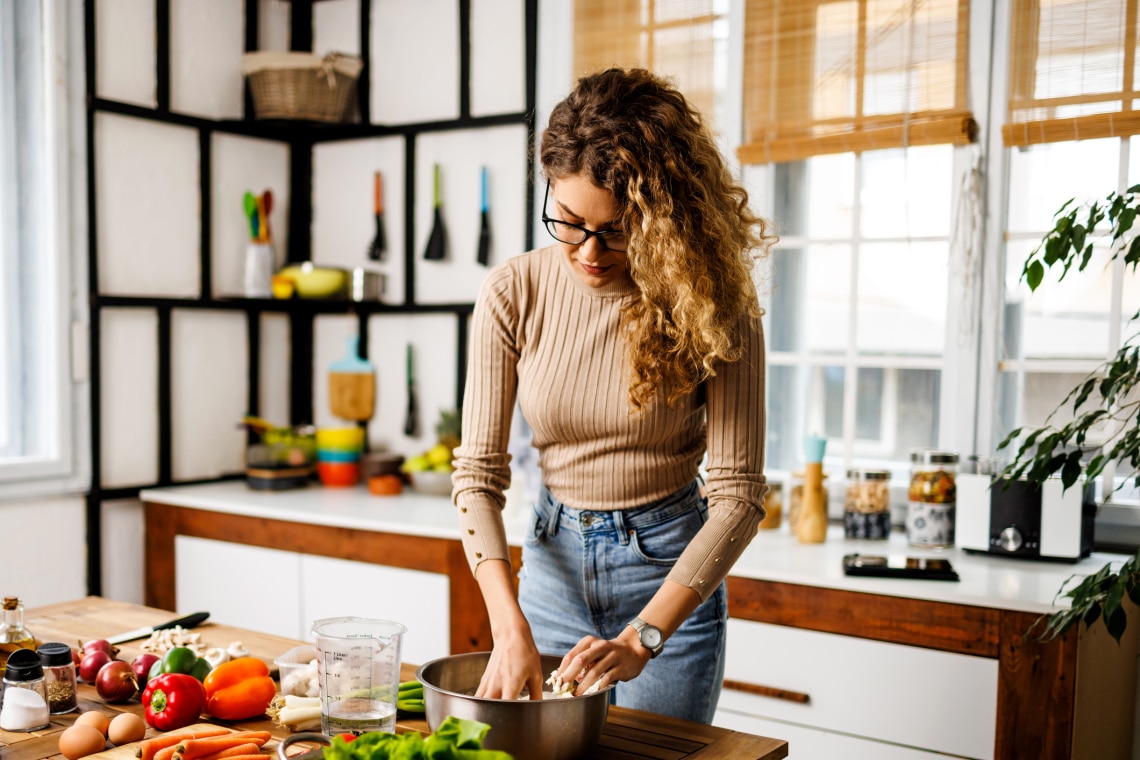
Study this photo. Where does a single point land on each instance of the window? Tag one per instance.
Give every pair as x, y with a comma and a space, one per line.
40, 423
684, 40
1071, 129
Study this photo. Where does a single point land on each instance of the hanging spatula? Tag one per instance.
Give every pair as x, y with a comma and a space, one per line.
437, 242
379, 244
484, 254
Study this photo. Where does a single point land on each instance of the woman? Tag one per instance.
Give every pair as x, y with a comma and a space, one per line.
620, 341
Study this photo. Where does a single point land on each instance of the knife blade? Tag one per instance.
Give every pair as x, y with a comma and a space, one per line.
189, 621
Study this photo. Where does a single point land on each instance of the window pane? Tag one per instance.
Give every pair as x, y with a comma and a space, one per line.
902, 299
1026, 399
869, 404
1060, 320
832, 423
787, 407
1043, 177
915, 420
827, 277
829, 196
907, 192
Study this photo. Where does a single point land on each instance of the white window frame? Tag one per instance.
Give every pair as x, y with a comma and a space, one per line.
52, 332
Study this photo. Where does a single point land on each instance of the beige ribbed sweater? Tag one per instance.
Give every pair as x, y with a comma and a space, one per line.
539, 332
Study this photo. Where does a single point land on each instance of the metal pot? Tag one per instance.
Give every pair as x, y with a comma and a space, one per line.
546, 729
366, 285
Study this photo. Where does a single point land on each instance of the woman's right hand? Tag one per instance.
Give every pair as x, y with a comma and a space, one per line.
515, 663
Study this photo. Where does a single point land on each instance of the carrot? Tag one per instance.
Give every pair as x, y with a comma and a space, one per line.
167, 753
192, 749
248, 748
148, 747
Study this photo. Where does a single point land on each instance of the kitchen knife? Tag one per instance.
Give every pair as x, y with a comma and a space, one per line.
185, 622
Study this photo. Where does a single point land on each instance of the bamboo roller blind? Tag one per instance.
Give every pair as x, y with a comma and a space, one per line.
832, 76
1072, 71
673, 38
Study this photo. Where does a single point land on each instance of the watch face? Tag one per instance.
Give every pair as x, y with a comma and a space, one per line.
650, 637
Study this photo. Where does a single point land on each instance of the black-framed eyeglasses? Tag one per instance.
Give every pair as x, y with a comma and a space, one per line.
574, 234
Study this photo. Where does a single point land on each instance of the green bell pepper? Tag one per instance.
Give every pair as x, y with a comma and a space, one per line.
180, 660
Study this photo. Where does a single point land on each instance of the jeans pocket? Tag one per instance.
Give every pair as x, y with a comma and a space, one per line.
537, 533
661, 543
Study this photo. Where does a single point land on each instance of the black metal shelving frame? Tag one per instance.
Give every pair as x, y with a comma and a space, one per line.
301, 138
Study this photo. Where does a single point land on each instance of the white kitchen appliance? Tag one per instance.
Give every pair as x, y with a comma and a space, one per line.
1022, 519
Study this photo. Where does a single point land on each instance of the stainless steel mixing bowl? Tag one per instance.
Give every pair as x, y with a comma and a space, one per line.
546, 729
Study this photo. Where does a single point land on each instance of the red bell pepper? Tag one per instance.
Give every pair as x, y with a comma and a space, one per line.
173, 700
239, 689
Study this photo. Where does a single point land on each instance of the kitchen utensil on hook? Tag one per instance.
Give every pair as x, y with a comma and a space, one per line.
250, 205
379, 245
411, 420
484, 252
268, 200
437, 242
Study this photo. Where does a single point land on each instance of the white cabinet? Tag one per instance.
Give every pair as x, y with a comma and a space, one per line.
337, 587
873, 692
282, 593
245, 586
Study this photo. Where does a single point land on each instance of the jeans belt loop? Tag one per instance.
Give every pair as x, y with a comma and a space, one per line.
619, 526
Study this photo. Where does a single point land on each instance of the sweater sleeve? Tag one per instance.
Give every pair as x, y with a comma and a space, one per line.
482, 464
736, 486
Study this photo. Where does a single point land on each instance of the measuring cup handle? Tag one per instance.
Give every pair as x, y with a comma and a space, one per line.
307, 736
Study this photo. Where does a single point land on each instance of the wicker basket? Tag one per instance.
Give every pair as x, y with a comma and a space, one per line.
302, 85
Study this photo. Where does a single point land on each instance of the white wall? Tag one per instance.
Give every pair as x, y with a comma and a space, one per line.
147, 202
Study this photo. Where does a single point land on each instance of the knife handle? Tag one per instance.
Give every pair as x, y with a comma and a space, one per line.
186, 622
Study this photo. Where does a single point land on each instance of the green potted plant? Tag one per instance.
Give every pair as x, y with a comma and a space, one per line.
1105, 403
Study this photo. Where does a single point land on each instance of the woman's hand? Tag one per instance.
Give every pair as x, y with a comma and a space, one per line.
604, 662
514, 664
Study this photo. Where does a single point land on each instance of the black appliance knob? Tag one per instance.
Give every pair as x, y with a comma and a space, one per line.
1010, 539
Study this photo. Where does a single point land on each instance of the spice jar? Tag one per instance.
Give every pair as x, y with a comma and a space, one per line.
867, 510
59, 677
13, 634
773, 507
932, 497
23, 703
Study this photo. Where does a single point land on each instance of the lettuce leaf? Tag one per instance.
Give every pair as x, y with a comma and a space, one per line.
454, 739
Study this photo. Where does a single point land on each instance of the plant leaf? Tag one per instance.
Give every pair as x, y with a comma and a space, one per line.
1035, 273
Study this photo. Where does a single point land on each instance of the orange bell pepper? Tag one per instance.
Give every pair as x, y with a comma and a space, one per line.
239, 689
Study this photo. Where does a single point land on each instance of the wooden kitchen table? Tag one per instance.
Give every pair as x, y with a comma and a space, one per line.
628, 733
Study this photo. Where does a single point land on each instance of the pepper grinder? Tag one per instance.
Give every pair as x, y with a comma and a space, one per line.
811, 528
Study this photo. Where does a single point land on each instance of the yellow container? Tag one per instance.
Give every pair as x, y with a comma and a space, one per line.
349, 439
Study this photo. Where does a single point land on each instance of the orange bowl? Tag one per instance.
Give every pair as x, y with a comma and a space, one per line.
339, 473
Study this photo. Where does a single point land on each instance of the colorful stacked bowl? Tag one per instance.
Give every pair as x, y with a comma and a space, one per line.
338, 455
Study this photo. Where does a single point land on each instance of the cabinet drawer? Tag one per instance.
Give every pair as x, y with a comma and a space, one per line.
806, 743
888, 692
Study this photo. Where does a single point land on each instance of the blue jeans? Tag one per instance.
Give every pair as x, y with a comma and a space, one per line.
590, 573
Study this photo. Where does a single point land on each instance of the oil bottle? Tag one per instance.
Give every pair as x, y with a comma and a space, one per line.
13, 634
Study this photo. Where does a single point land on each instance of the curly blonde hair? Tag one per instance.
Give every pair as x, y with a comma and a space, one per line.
692, 236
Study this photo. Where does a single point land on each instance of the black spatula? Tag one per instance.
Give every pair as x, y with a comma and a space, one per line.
484, 254
379, 245
437, 242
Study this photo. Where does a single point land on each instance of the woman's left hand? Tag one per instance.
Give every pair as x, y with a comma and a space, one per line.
604, 662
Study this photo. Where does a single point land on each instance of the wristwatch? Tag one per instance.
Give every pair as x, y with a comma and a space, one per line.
649, 635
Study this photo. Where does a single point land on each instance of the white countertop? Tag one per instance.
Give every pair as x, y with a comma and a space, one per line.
999, 582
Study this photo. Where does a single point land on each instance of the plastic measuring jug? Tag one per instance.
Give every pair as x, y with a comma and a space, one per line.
358, 669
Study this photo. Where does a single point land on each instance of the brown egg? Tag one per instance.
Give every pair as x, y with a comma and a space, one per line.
81, 740
94, 718
126, 728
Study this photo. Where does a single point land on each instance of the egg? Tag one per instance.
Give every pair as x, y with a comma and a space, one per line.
126, 728
81, 740
94, 718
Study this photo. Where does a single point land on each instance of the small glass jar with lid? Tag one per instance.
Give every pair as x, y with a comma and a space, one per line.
59, 677
23, 701
867, 510
931, 498
773, 507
